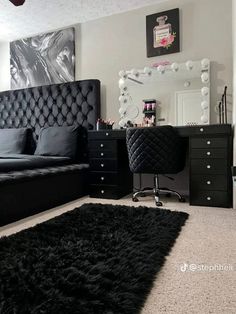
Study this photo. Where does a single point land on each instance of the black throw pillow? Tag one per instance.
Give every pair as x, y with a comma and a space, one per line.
13, 141
58, 141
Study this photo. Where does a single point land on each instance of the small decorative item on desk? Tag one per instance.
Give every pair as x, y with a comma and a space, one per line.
104, 124
222, 108
149, 111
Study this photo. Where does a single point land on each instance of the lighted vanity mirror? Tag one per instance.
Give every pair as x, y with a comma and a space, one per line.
176, 94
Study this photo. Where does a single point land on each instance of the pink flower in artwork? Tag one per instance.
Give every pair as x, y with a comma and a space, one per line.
171, 38
164, 42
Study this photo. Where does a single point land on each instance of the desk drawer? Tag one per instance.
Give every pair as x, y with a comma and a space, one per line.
103, 164
110, 178
209, 182
208, 142
210, 198
102, 154
102, 145
104, 191
209, 166
209, 153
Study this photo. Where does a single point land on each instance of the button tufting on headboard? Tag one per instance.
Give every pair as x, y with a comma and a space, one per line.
73, 103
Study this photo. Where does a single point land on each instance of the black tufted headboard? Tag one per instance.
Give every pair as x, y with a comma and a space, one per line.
74, 103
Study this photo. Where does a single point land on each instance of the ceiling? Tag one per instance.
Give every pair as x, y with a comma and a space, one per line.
39, 16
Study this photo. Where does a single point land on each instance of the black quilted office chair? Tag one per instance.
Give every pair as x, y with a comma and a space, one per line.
155, 150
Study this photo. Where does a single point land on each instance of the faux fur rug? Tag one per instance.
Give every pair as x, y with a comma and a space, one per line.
99, 259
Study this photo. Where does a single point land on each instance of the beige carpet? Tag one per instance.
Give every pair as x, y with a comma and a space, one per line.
208, 242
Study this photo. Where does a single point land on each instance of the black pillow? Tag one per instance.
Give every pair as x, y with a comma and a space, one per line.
13, 141
58, 141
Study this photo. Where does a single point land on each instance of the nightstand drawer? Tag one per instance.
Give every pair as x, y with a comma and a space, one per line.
209, 166
209, 182
102, 145
110, 178
210, 198
103, 164
102, 154
208, 142
104, 191
209, 153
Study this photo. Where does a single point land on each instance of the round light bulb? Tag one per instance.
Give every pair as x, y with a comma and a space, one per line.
204, 105
161, 69
122, 123
189, 65
205, 91
174, 67
121, 83
123, 74
123, 99
147, 71
205, 77
205, 63
123, 86
204, 119
135, 72
122, 111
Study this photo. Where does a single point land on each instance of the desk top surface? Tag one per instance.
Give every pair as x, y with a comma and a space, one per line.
184, 131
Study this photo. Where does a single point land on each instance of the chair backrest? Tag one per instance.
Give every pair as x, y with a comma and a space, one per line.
157, 150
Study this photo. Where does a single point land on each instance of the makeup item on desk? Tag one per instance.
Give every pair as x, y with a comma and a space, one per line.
144, 106
104, 124
149, 106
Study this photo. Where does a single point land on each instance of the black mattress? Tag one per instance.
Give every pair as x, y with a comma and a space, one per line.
17, 162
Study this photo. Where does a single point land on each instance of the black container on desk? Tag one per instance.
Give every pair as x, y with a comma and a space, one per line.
103, 126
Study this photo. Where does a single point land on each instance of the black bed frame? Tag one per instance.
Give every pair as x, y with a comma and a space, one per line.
74, 103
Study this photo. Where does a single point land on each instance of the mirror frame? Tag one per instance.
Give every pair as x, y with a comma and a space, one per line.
176, 71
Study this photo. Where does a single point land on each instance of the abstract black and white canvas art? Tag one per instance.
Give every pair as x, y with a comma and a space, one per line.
43, 60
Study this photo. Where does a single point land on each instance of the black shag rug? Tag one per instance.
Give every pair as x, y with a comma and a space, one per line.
99, 259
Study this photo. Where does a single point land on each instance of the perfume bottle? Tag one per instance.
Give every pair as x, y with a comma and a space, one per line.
161, 31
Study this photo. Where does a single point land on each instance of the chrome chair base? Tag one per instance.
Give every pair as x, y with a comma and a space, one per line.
156, 191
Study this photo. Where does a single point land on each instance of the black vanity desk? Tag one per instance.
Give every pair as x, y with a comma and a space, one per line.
210, 154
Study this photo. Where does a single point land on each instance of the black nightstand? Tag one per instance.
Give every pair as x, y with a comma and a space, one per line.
110, 176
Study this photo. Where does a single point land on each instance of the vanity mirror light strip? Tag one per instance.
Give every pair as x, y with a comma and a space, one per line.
183, 71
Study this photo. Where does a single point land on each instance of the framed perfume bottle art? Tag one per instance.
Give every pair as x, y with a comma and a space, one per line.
163, 33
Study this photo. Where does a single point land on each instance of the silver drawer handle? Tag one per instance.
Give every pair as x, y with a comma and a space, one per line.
209, 182
107, 134
102, 154
208, 166
208, 142
102, 191
201, 130
208, 153
101, 145
102, 178
208, 198
102, 165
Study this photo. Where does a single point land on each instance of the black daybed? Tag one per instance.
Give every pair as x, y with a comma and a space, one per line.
30, 184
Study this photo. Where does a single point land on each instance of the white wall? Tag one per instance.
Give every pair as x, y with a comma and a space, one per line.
117, 42
4, 66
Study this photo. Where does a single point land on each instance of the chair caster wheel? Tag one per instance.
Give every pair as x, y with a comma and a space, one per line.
182, 200
134, 199
159, 204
